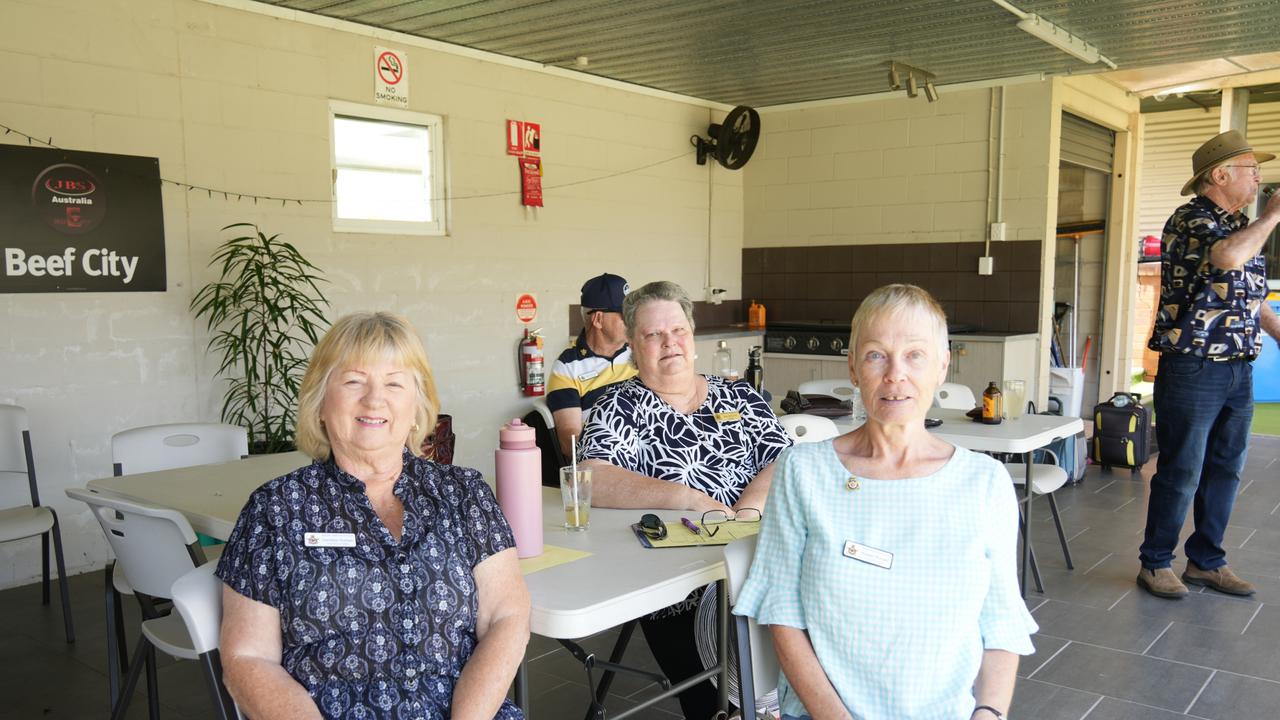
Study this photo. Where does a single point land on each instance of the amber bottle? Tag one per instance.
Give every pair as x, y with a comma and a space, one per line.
992, 404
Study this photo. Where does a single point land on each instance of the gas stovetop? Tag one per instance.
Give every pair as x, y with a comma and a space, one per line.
822, 337
807, 338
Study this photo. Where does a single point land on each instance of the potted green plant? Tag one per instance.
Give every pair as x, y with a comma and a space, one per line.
265, 312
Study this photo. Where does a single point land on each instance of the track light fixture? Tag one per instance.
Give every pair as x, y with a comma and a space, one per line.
915, 78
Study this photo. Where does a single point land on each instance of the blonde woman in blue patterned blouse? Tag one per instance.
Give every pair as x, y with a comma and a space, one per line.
372, 583
885, 565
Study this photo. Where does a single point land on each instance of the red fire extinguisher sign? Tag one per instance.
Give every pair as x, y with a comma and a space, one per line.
526, 308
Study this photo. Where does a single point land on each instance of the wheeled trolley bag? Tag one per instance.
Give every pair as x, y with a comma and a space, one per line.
1121, 432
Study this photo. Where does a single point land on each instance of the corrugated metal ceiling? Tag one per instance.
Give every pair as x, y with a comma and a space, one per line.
770, 52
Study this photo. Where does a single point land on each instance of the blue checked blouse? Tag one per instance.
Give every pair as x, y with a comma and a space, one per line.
905, 642
383, 629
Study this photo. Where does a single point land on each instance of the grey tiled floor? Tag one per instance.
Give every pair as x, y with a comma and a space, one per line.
1105, 650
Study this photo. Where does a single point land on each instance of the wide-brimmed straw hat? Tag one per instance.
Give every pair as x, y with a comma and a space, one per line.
1222, 147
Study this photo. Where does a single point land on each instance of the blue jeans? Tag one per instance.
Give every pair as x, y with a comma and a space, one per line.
1203, 413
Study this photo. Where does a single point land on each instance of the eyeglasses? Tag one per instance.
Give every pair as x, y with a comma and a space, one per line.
1257, 171
713, 519
652, 526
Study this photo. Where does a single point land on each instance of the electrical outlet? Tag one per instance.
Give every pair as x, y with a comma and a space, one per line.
997, 232
986, 265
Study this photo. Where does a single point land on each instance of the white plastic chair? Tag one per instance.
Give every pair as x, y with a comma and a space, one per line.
839, 389
179, 445
543, 423
805, 428
154, 547
198, 598
149, 449
757, 662
954, 396
1046, 478
27, 521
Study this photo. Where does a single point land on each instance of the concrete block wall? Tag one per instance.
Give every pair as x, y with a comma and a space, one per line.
232, 95
897, 170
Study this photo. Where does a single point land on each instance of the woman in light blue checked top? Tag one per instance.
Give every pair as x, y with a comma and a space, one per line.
885, 565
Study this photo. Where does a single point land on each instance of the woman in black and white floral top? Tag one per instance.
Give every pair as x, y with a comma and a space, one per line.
675, 439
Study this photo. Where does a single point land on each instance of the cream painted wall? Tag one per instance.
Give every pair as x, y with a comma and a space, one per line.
903, 170
236, 99
897, 170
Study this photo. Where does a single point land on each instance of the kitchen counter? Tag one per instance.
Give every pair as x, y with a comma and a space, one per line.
719, 332
991, 336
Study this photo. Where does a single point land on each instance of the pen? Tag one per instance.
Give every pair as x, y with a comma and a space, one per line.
693, 527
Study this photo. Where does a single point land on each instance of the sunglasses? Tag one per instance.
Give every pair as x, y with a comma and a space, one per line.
652, 526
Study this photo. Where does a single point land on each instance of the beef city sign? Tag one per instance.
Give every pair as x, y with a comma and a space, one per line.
79, 222
96, 262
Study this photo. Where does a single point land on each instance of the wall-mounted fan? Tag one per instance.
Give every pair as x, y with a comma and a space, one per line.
732, 141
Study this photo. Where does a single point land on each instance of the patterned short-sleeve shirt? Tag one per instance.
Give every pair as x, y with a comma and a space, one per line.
382, 629
1206, 311
717, 448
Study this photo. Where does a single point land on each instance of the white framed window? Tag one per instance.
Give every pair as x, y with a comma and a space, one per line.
388, 170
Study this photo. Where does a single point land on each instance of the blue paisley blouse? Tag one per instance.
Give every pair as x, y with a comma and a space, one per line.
717, 449
384, 628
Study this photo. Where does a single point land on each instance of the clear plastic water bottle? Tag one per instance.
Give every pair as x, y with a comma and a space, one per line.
722, 364
859, 410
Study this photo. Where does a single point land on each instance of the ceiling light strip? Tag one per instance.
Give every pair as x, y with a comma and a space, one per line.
1047, 32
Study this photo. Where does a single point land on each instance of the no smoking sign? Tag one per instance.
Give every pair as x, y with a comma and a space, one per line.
390, 77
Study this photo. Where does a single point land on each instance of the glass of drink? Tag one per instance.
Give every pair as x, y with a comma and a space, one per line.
575, 490
1015, 398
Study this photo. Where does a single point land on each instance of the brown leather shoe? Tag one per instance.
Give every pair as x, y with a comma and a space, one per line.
1161, 582
1221, 579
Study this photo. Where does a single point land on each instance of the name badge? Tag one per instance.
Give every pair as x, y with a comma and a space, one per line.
728, 417
588, 376
868, 554
320, 539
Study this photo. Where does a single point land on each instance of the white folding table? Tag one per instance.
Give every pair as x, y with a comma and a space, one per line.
1016, 437
620, 581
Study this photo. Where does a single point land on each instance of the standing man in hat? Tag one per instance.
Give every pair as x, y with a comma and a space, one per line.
1212, 292
599, 358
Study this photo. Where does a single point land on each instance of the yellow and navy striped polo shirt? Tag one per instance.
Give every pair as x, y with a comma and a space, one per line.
580, 376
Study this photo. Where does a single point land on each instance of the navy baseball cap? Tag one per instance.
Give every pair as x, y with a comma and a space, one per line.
604, 292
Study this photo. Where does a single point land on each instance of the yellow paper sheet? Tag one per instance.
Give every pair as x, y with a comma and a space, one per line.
680, 536
552, 555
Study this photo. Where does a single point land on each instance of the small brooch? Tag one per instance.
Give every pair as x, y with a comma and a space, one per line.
852, 483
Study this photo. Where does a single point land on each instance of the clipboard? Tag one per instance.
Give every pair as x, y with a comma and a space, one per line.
679, 536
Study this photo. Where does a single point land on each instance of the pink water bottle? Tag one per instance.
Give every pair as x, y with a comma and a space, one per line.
518, 465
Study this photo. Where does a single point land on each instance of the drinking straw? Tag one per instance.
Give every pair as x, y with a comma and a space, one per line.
573, 463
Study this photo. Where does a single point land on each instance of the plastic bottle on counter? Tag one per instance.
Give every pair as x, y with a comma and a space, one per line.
722, 364
755, 316
518, 467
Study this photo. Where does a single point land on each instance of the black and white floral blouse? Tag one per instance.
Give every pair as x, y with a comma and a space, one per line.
379, 629
717, 449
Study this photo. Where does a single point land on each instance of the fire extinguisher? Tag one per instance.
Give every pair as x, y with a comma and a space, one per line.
533, 378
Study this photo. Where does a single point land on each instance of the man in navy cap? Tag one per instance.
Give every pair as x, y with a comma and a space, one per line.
598, 358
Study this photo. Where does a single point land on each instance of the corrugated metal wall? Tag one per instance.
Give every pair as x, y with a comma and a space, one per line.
1170, 139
